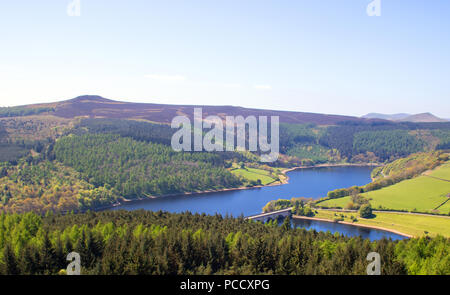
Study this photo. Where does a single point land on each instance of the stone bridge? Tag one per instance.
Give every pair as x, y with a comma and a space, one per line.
264, 217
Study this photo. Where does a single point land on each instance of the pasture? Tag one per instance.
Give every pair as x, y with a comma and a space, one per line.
421, 194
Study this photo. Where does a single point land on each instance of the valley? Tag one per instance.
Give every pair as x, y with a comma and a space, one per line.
68, 158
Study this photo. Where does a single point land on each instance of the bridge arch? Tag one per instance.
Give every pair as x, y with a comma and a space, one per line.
264, 217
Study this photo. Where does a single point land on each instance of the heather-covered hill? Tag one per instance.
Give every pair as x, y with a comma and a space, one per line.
96, 106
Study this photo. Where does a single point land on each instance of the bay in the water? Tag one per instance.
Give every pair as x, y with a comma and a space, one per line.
311, 183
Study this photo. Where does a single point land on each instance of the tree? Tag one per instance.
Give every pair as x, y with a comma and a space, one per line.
365, 211
9, 266
286, 223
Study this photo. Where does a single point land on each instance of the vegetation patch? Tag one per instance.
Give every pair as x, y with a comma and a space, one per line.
49, 186
255, 176
311, 154
157, 243
137, 169
23, 111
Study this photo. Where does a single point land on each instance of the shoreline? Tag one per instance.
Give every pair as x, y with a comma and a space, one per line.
354, 224
285, 180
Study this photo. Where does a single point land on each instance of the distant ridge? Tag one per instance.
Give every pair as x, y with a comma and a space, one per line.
392, 117
94, 106
90, 98
424, 117
403, 117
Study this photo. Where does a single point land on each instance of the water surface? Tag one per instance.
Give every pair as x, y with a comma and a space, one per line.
311, 183
345, 229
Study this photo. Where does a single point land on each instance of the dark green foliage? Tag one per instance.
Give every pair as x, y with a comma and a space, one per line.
9, 265
12, 152
143, 242
137, 168
298, 205
365, 211
22, 111
310, 154
385, 139
444, 145
140, 131
387, 144
444, 138
301, 210
293, 134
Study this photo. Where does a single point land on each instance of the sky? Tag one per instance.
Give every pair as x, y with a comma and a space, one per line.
322, 56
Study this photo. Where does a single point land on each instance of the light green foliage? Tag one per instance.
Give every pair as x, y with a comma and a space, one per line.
421, 194
162, 243
253, 175
424, 256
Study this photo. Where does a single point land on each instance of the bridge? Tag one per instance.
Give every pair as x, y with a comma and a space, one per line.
263, 217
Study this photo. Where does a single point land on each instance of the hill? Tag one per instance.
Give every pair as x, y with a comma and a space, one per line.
403, 117
391, 117
98, 107
424, 117
305, 138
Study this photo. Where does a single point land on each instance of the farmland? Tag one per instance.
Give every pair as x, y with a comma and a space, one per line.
255, 174
411, 224
421, 194
442, 172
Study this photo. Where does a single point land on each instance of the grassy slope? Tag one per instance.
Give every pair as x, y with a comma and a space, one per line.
254, 174
442, 171
422, 193
416, 225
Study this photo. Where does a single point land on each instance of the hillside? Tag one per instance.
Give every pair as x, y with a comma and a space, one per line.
403, 117
424, 117
391, 117
428, 192
305, 138
112, 150
98, 107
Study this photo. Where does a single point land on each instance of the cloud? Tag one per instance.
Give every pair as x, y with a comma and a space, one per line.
163, 77
263, 87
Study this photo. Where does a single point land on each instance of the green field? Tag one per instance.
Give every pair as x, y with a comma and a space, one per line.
442, 171
253, 174
445, 207
415, 225
422, 194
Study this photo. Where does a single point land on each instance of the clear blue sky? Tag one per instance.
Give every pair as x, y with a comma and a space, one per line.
324, 56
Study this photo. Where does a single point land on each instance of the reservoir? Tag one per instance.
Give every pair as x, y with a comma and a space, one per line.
345, 229
310, 183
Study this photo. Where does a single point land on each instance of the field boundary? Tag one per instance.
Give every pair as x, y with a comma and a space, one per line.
438, 178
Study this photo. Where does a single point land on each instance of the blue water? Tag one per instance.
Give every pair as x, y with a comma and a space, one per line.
346, 230
310, 183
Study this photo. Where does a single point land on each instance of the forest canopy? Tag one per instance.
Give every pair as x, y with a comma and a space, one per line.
137, 168
143, 242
